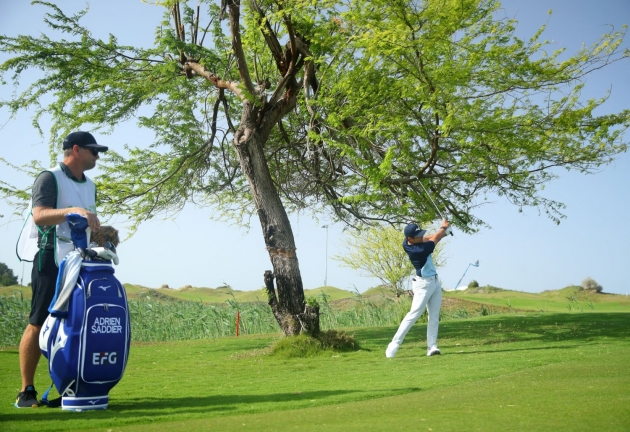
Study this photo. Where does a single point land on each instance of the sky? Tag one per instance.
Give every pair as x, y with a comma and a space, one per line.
519, 251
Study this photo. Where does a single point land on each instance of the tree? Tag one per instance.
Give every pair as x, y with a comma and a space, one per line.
590, 284
444, 95
377, 251
346, 108
6, 276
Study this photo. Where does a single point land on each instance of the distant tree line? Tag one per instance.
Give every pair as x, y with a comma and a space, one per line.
6, 276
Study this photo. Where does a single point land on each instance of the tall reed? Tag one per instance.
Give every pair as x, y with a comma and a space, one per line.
14, 313
158, 321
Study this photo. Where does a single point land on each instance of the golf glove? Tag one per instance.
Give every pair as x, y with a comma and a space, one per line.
448, 231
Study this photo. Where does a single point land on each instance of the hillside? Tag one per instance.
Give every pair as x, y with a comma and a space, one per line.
222, 294
496, 300
570, 298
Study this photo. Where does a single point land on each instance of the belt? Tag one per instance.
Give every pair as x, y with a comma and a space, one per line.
426, 277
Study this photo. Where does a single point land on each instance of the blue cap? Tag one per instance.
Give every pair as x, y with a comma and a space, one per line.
413, 230
83, 139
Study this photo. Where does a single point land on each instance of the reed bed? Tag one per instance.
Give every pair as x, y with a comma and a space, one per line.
14, 312
159, 321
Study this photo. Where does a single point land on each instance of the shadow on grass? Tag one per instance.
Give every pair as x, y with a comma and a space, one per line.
555, 347
543, 327
567, 327
138, 408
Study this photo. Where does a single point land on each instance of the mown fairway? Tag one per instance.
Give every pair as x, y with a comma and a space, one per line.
544, 371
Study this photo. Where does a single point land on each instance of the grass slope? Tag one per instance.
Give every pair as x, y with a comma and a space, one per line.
562, 300
527, 371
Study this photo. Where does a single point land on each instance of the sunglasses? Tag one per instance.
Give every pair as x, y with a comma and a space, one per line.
93, 151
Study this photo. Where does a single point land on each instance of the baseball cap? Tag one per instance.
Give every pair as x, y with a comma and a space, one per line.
413, 230
83, 139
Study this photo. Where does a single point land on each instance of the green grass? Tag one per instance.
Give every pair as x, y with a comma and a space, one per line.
535, 371
562, 300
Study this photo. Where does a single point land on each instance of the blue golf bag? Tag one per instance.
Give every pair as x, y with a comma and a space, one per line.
86, 337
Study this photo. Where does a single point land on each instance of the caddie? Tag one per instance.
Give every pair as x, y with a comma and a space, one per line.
45, 240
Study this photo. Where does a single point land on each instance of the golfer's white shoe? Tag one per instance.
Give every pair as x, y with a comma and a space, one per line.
433, 351
390, 352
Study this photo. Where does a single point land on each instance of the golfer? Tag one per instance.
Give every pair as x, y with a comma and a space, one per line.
427, 291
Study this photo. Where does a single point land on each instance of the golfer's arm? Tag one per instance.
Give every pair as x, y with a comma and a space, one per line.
435, 238
48, 216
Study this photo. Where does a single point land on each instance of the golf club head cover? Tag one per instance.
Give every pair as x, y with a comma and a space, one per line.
79, 230
106, 254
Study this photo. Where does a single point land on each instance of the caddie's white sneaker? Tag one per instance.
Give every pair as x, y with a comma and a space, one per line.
390, 352
433, 351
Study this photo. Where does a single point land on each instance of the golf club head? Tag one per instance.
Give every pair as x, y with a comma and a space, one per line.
87, 253
109, 245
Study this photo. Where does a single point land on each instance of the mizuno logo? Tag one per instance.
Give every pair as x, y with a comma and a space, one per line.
94, 401
73, 223
105, 287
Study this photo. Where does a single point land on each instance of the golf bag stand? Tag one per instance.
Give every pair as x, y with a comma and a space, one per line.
86, 337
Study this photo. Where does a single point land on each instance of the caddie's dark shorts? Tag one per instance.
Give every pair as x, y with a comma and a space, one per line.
43, 284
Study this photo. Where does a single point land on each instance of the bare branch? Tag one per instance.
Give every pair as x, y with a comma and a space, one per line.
234, 6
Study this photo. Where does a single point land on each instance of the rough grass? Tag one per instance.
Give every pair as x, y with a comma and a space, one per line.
155, 320
326, 343
536, 371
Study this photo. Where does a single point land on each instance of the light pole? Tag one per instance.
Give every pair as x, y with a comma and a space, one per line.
476, 264
326, 265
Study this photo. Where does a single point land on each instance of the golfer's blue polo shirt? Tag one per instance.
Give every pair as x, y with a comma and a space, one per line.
420, 256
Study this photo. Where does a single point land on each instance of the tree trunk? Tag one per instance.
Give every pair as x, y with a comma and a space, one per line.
288, 305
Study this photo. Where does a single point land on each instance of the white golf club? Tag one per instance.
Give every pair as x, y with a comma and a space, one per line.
475, 264
449, 229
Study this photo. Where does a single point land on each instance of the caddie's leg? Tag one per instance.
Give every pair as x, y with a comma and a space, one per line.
29, 354
43, 281
433, 309
417, 307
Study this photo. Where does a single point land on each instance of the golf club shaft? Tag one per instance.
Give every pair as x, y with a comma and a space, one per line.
433, 202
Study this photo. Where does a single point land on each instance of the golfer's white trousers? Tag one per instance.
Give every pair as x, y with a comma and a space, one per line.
427, 292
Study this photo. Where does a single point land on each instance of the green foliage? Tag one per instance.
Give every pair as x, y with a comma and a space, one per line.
445, 94
473, 284
7, 277
312, 302
401, 94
